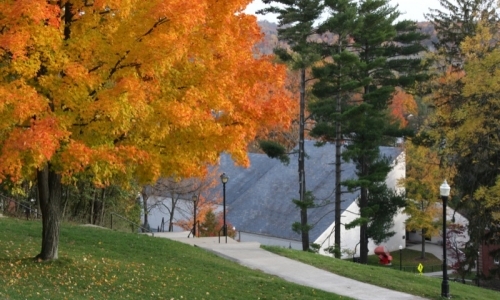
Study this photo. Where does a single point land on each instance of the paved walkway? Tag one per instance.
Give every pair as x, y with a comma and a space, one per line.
252, 256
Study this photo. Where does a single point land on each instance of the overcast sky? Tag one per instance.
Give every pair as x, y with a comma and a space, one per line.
411, 9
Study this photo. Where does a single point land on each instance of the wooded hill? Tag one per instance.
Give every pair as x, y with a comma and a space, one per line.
270, 40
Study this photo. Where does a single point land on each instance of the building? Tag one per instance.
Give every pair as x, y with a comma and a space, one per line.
487, 263
259, 199
452, 216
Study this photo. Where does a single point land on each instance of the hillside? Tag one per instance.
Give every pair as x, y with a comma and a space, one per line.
104, 264
270, 40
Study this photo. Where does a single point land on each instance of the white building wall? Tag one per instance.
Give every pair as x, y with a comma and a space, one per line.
350, 238
393, 181
416, 236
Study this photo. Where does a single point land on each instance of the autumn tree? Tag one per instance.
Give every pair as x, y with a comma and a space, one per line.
402, 107
167, 193
295, 27
84, 202
455, 243
187, 217
127, 89
279, 142
164, 196
463, 124
474, 142
423, 173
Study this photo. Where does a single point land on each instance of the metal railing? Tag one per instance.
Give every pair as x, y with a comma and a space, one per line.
413, 269
224, 229
131, 223
28, 209
194, 230
161, 228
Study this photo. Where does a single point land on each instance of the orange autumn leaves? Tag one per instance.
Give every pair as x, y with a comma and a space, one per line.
88, 88
402, 105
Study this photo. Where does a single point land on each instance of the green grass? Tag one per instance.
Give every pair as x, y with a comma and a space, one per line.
410, 260
415, 284
104, 264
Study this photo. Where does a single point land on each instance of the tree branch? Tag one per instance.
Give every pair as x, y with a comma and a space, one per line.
155, 25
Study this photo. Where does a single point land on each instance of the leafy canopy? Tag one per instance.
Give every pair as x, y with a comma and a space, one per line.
131, 88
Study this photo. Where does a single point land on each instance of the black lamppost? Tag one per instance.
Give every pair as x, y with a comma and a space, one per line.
224, 178
195, 202
444, 191
400, 258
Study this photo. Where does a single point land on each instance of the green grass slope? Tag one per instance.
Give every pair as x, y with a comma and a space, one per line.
411, 283
104, 264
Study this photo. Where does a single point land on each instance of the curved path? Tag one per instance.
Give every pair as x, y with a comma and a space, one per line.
252, 256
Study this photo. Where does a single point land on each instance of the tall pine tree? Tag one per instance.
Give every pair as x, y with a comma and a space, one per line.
388, 57
456, 21
333, 90
296, 19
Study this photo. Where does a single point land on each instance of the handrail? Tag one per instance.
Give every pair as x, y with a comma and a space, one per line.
19, 203
193, 230
28, 207
225, 232
162, 226
131, 222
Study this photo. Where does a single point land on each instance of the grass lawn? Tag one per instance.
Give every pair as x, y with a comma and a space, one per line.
410, 259
411, 283
104, 264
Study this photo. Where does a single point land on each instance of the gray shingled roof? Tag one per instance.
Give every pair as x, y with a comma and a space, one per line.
259, 198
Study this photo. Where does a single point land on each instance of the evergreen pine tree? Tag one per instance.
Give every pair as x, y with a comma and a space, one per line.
333, 90
209, 227
456, 21
388, 57
296, 20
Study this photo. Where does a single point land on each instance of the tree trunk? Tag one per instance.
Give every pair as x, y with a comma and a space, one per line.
50, 193
97, 206
145, 207
101, 218
92, 206
65, 202
363, 236
302, 175
338, 168
171, 218
423, 244
81, 206
363, 203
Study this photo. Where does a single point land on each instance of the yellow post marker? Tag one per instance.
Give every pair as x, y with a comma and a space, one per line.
420, 268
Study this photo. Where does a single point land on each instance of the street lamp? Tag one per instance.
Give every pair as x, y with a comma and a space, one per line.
31, 209
444, 191
224, 178
195, 200
400, 258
